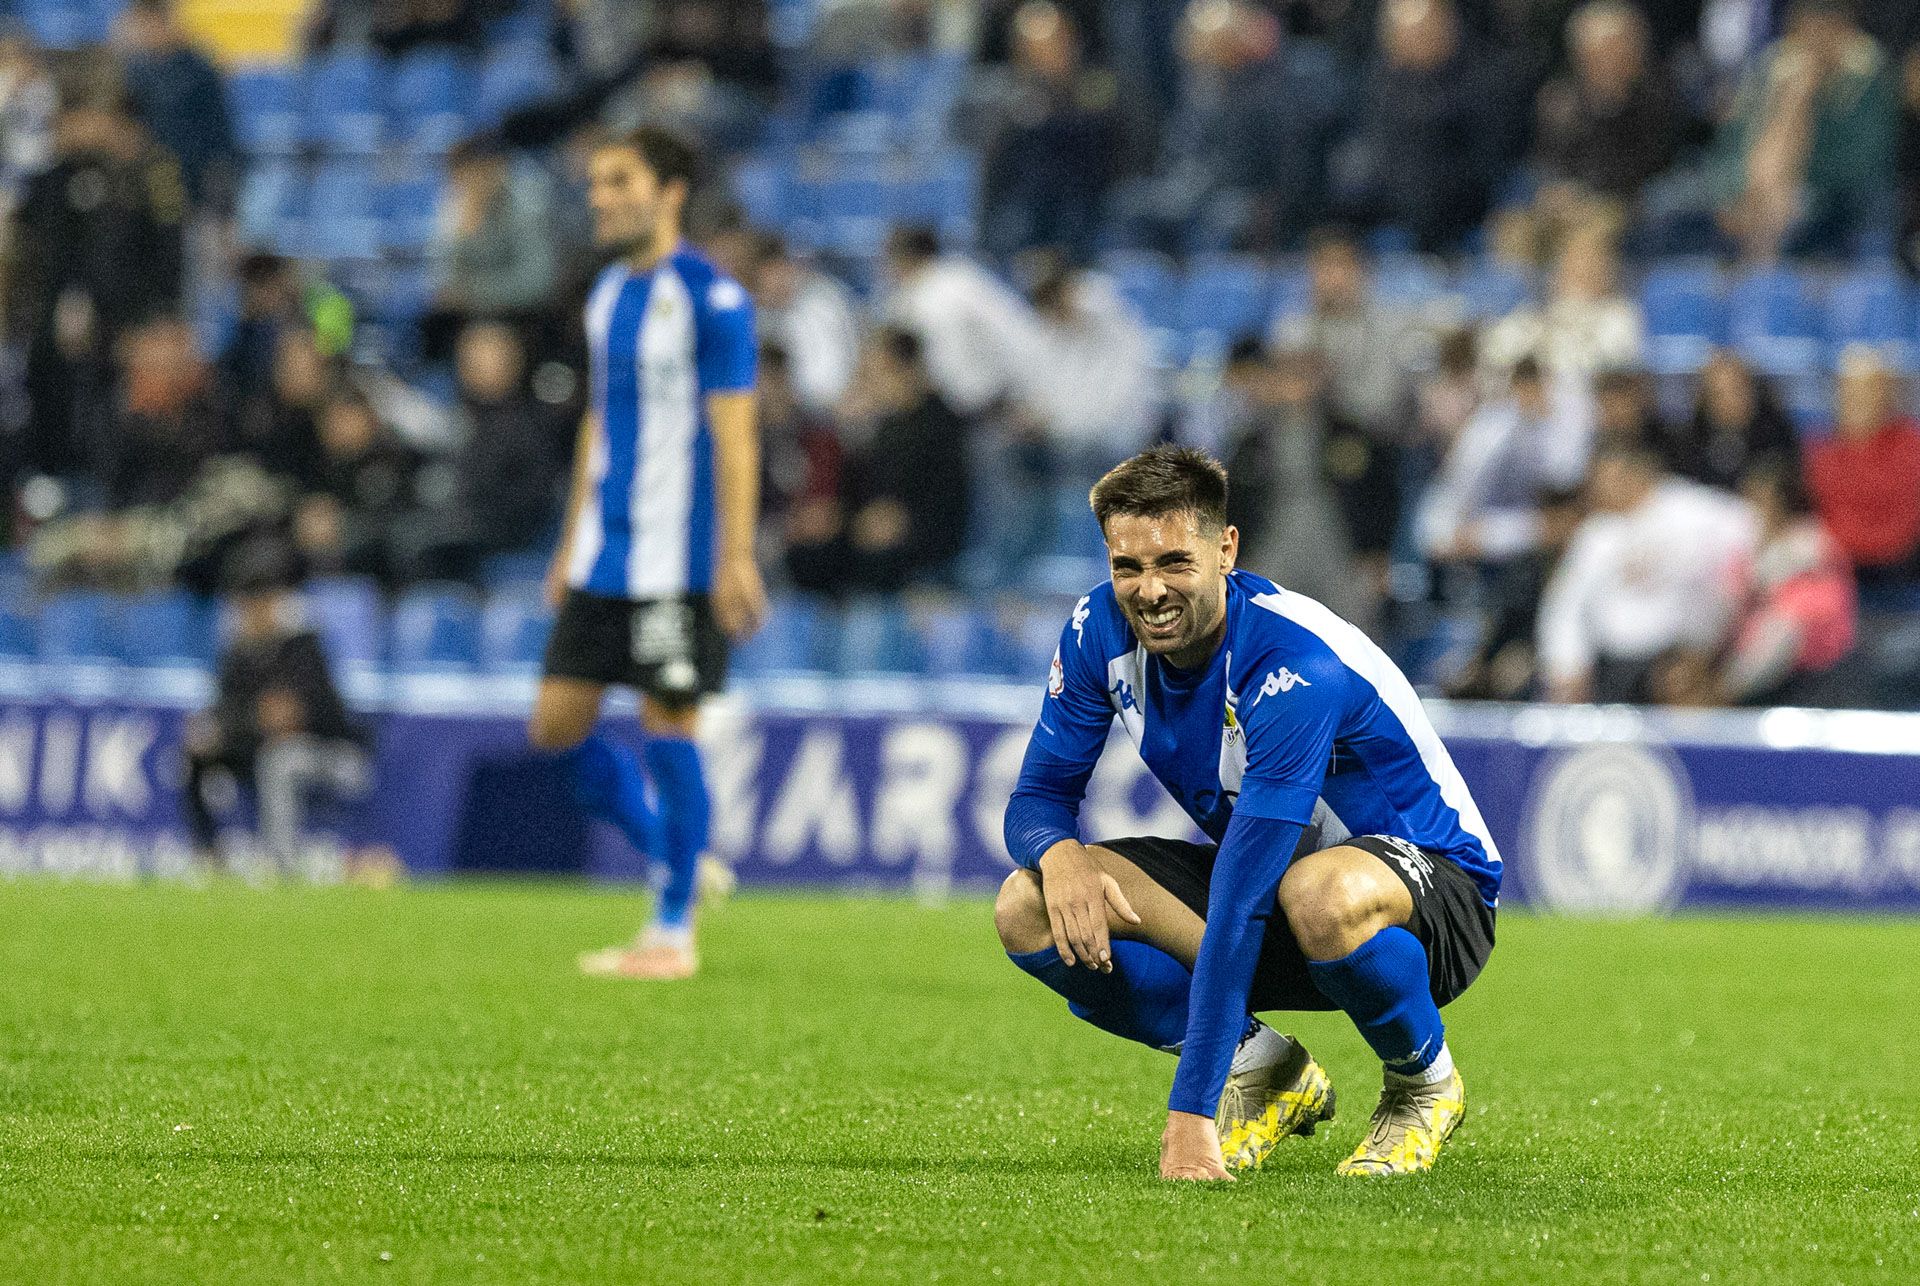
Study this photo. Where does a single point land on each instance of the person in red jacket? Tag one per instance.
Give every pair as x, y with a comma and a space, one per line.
1865, 478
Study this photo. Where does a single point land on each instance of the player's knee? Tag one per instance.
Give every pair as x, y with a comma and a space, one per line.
1020, 914
1332, 909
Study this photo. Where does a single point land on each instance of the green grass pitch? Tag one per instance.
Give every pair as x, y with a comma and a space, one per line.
337, 1085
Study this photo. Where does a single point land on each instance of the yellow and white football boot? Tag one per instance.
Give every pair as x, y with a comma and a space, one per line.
1411, 1125
1269, 1101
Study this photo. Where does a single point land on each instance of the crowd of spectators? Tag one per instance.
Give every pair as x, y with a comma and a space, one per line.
1586, 527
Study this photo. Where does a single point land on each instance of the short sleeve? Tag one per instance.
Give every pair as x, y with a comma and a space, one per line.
728, 348
1291, 714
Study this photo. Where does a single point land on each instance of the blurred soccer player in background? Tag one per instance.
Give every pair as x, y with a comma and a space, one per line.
655, 571
1348, 866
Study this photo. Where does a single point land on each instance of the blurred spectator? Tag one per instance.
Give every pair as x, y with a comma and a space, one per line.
97, 250
1311, 492
1088, 384
28, 103
270, 303
1368, 346
1587, 324
179, 97
506, 476
1737, 425
1865, 477
1483, 506
1450, 393
170, 423
279, 425
1799, 615
1053, 137
1613, 121
366, 482
800, 451
1646, 576
1502, 666
1431, 144
493, 249
278, 726
1804, 163
1625, 410
396, 26
975, 332
1244, 160
1907, 160
809, 316
709, 71
903, 514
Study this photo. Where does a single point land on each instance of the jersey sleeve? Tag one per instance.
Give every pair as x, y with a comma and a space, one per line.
1291, 719
1067, 740
728, 349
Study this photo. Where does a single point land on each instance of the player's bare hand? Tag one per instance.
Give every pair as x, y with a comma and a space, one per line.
739, 598
1079, 895
1190, 1149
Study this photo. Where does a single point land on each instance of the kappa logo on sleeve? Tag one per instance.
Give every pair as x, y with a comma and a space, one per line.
1281, 680
1081, 610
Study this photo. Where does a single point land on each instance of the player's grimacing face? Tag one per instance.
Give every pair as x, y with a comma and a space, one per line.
1169, 576
625, 198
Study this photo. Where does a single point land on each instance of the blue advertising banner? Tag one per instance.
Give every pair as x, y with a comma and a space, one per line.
893, 785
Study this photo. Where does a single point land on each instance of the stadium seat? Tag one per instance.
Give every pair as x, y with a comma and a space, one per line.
1774, 320
343, 102
1685, 315
518, 570
511, 77
429, 98
762, 185
436, 630
347, 613
955, 640
266, 107
173, 628
1227, 295
514, 626
795, 638
943, 191
1148, 282
1875, 306
342, 211
1032, 635
1292, 294
67, 24
19, 635
80, 627
408, 209
853, 209
272, 205
1408, 280
875, 637
1489, 291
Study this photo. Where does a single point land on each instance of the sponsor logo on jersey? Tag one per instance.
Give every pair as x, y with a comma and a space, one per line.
1281, 680
1122, 694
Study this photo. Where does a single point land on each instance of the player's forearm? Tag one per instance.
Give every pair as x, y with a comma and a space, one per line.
1045, 806
577, 487
736, 449
1246, 879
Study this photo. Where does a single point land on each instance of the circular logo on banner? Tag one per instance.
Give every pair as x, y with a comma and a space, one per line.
1609, 829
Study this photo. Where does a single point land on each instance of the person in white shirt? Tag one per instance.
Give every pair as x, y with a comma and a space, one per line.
810, 317
1649, 571
1586, 324
1088, 386
975, 330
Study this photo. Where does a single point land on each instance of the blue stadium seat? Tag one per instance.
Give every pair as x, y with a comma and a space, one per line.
520, 569
763, 186
19, 634
80, 627
67, 24
1875, 306
955, 640
266, 106
795, 637
1148, 282
853, 209
348, 615
173, 628
1489, 291
1408, 280
514, 626
512, 76
407, 209
272, 205
943, 191
875, 637
1032, 635
1292, 294
1774, 319
436, 630
1227, 295
1686, 317
343, 102
343, 219
429, 98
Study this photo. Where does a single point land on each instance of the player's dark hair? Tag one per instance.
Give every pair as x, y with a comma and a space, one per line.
668, 155
1164, 480
915, 243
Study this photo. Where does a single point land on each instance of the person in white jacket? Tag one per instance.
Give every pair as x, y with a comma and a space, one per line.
1649, 572
974, 328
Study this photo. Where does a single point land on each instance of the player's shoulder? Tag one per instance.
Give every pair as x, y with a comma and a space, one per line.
713, 290
1096, 626
1285, 638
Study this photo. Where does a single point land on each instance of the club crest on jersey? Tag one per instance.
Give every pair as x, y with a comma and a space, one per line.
1056, 676
1281, 680
1081, 611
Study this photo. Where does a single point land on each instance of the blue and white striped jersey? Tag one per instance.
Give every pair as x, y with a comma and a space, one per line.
660, 342
1297, 706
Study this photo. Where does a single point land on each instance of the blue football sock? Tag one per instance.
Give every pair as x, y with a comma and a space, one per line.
684, 814
1143, 999
609, 783
1383, 986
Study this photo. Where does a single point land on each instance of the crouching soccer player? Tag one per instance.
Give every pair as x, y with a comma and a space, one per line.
1352, 870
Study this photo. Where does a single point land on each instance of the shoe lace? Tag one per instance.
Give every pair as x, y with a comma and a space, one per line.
1398, 1105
